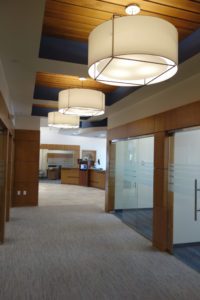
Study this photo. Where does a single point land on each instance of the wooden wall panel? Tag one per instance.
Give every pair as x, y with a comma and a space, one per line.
60, 147
160, 193
180, 117
110, 177
23, 150
139, 127
26, 168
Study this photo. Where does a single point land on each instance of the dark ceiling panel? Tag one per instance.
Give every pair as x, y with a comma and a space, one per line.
63, 50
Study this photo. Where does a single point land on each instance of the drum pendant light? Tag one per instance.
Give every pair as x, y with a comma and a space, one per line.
82, 102
133, 51
58, 120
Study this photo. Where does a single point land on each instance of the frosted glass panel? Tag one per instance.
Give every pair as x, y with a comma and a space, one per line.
134, 183
134, 173
145, 172
126, 175
182, 175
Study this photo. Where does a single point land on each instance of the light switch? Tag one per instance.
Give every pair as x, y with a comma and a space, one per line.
18, 193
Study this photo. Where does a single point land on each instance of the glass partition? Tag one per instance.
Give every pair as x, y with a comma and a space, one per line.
184, 185
134, 183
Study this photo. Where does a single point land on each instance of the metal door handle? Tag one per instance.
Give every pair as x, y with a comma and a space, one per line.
196, 210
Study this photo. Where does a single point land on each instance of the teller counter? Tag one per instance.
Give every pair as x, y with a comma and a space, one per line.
97, 179
91, 177
70, 176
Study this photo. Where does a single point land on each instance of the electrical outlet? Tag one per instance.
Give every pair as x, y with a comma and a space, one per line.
18, 193
24, 193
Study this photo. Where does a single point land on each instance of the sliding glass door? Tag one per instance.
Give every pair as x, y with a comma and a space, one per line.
185, 185
134, 183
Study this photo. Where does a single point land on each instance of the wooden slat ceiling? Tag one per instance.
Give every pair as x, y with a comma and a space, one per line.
74, 19
66, 81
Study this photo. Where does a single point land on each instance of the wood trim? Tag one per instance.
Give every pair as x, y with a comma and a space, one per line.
60, 147
160, 191
110, 177
178, 118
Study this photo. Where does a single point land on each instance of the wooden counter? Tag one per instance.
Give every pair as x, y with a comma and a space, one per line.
97, 179
70, 176
75, 176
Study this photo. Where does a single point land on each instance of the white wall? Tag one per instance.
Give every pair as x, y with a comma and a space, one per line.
53, 136
5, 91
27, 122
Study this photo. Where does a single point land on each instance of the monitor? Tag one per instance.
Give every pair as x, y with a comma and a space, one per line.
83, 167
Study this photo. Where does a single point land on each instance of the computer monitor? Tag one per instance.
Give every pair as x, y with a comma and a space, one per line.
83, 167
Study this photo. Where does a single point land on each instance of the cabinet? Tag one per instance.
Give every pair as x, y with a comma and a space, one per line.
97, 179
53, 173
70, 176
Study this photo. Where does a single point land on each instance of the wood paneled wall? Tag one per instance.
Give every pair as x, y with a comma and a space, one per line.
180, 117
60, 147
110, 177
26, 168
158, 125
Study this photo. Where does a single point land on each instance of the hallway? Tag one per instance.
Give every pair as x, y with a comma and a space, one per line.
73, 251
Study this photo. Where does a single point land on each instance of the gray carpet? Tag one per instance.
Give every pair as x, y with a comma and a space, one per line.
77, 252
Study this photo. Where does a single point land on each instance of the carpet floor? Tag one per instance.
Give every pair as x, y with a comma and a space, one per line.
76, 251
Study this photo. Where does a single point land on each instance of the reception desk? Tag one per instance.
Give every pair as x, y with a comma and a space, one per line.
70, 176
95, 178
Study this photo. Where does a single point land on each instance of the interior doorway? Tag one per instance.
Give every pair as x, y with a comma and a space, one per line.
184, 186
134, 183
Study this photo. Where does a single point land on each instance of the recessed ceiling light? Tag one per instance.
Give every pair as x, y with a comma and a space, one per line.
82, 78
132, 9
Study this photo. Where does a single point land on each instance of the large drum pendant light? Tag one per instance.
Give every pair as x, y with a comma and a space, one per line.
58, 120
82, 102
133, 51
